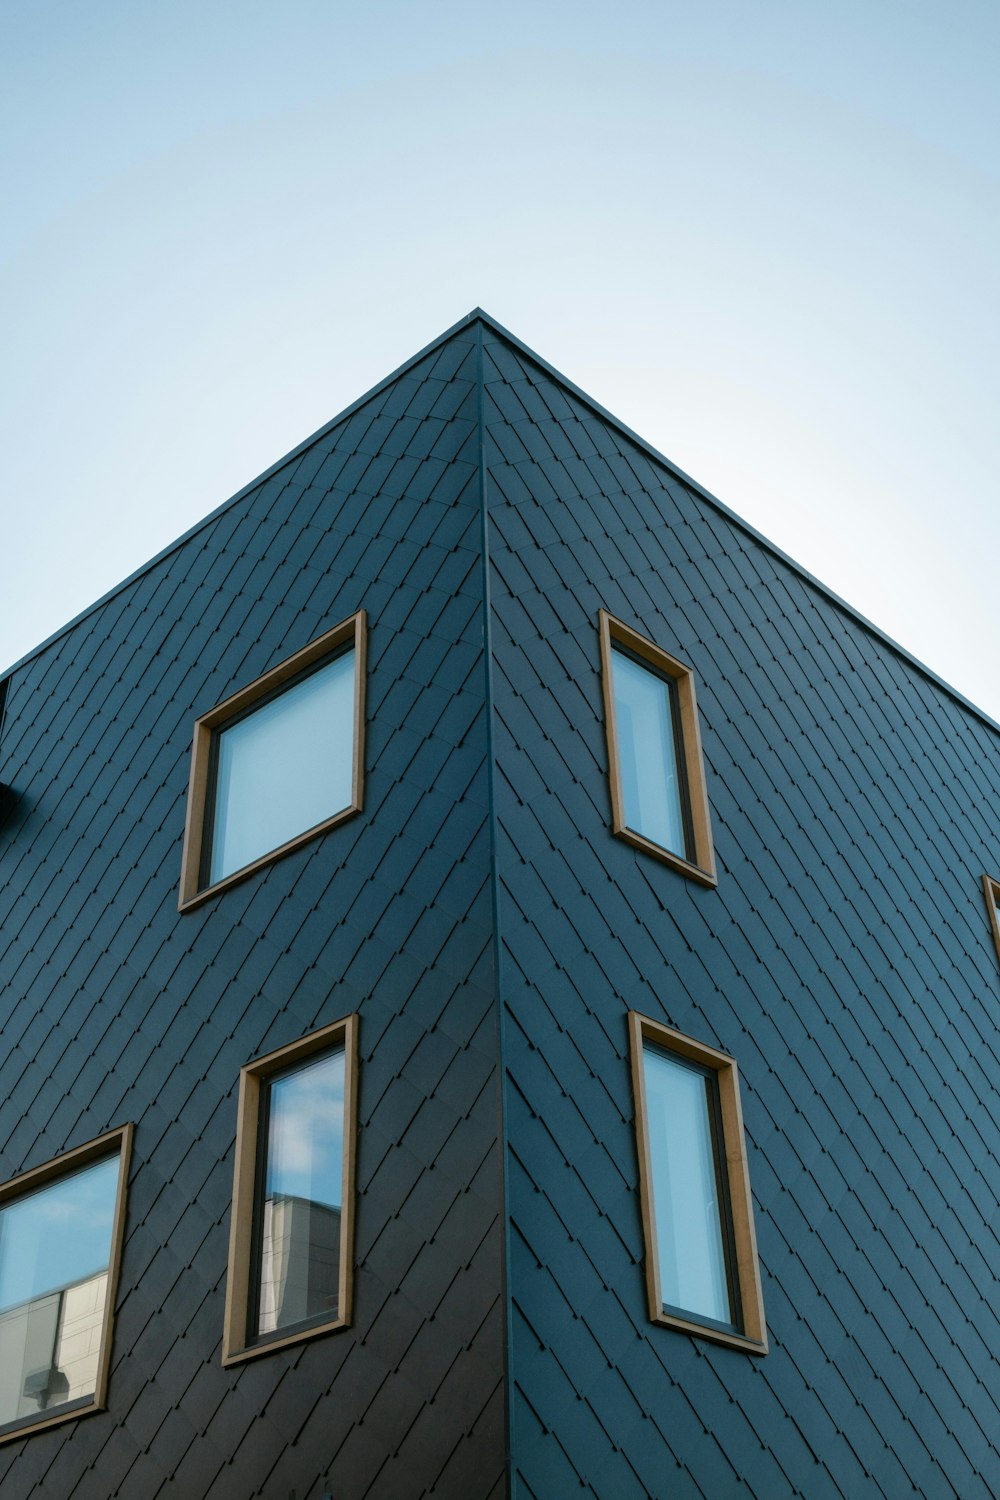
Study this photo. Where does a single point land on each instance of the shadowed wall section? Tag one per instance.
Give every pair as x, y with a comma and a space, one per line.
116, 1008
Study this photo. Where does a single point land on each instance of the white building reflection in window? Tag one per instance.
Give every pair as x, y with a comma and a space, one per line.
55, 1251
300, 1211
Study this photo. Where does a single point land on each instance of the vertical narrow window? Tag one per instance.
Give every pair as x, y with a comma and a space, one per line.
654, 797
277, 763
688, 1188
290, 1253
991, 890
299, 1207
61, 1229
702, 1274
658, 796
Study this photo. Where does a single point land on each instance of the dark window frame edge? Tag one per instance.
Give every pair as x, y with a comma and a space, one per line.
753, 1339
703, 868
235, 1347
37, 1177
991, 891
352, 630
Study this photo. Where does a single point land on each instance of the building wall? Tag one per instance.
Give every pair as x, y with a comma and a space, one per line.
116, 1008
844, 960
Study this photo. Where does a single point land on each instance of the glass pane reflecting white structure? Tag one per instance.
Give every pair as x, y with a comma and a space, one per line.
55, 1250
299, 1215
690, 1217
284, 768
652, 793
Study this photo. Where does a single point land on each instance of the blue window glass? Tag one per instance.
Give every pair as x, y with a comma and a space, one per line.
653, 793
691, 1214
55, 1249
283, 768
299, 1205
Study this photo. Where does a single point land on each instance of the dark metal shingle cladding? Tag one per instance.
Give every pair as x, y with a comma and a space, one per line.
844, 961
115, 1008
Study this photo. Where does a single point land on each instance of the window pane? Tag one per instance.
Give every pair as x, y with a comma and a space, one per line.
284, 768
689, 1229
300, 1215
55, 1245
651, 789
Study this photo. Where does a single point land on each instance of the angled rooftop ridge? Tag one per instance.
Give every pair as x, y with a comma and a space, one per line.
737, 520
245, 490
479, 315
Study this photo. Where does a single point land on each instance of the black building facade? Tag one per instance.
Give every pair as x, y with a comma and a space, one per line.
495, 948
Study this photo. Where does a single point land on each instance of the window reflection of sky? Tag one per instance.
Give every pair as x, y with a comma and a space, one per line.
685, 1188
305, 1144
285, 767
650, 783
57, 1235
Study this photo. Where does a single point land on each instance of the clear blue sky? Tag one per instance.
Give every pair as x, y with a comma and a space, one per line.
764, 234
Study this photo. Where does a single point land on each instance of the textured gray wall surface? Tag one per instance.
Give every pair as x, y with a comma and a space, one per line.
493, 934
845, 961
113, 1007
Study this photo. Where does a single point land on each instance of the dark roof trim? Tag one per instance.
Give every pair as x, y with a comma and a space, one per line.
739, 522
478, 315
213, 515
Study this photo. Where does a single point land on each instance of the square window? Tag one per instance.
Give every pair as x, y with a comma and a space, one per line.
61, 1229
702, 1274
659, 801
291, 1238
991, 890
277, 763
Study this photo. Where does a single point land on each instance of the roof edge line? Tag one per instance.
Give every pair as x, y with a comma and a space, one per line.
745, 526
252, 484
478, 314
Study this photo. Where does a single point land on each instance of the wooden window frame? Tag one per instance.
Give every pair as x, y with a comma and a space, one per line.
991, 890
702, 867
236, 1346
350, 632
103, 1147
6, 795
753, 1336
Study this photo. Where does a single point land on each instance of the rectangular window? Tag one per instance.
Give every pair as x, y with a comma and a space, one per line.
991, 890
654, 794
61, 1229
291, 1239
659, 801
702, 1274
277, 763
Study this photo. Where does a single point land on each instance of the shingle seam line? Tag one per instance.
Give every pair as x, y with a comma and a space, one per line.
504, 1186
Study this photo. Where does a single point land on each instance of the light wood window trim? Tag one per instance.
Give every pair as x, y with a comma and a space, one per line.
754, 1335
235, 1347
350, 632
991, 890
702, 867
106, 1146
